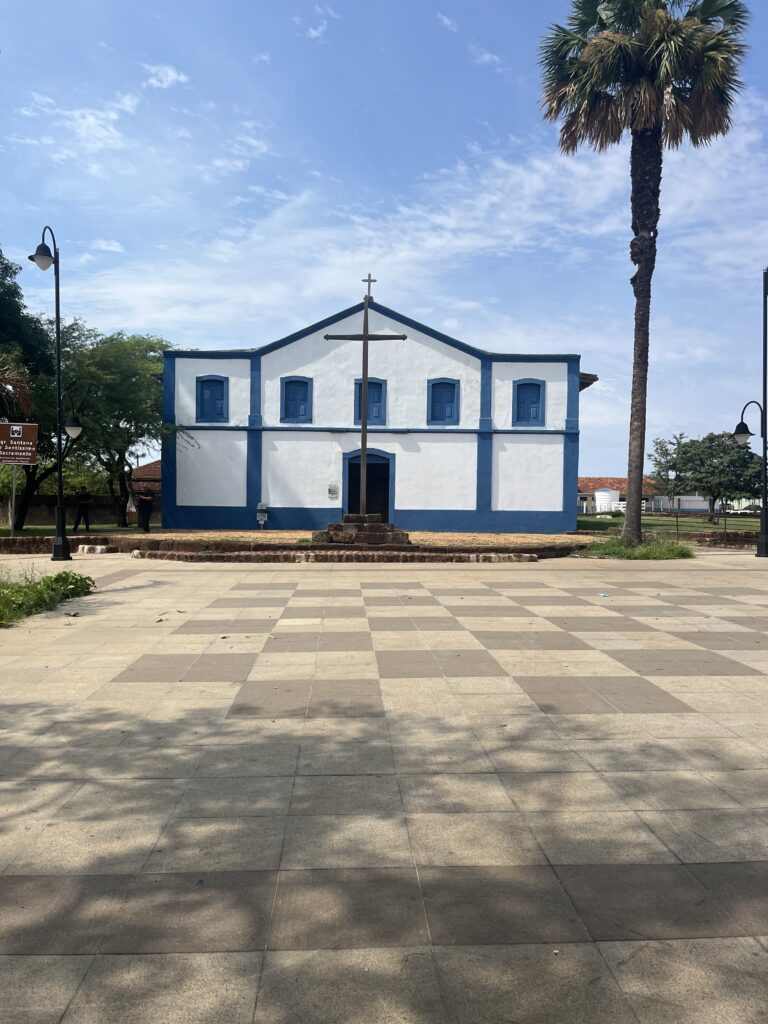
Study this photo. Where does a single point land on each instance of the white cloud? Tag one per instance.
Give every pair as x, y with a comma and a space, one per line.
262, 58
485, 58
322, 9
318, 31
447, 22
107, 245
163, 76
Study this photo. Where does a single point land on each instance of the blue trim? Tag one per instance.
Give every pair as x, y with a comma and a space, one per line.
485, 439
486, 394
309, 428
456, 401
571, 479
541, 419
284, 418
199, 410
443, 521
374, 455
168, 454
382, 420
254, 417
574, 390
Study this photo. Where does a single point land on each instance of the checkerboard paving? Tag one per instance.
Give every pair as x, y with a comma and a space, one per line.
347, 794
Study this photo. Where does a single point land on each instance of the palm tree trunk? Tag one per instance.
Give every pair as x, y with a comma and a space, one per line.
647, 158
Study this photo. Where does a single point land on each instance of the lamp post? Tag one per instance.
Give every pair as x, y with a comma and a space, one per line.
45, 259
742, 434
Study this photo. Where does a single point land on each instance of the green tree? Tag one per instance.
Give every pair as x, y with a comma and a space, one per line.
664, 71
665, 459
123, 411
713, 465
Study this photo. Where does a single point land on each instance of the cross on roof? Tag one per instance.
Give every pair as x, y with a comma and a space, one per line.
369, 281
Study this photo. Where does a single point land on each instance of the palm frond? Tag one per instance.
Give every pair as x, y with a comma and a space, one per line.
642, 65
15, 389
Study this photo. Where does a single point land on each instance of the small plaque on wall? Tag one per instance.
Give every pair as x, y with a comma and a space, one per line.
333, 490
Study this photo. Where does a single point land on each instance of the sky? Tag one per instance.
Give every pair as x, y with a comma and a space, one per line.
225, 174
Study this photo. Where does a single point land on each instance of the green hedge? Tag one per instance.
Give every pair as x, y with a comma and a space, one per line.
30, 595
659, 548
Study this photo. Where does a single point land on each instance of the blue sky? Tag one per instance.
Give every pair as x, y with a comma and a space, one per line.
224, 174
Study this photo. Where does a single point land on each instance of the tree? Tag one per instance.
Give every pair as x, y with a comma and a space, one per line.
713, 465
123, 412
664, 71
665, 459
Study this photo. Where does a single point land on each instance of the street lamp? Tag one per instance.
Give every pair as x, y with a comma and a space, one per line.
45, 259
742, 434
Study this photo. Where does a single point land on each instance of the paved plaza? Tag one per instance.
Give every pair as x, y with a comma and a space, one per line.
362, 794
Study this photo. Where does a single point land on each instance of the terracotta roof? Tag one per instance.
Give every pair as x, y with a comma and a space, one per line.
150, 472
590, 484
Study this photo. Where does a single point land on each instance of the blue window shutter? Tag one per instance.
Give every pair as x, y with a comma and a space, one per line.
296, 401
443, 404
529, 403
212, 399
376, 402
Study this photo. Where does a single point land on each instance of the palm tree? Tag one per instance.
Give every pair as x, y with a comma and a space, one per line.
15, 389
665, 71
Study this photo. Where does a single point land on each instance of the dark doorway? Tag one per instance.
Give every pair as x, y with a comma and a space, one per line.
377, 490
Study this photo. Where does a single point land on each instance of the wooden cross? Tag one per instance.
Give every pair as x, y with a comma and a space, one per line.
365, 337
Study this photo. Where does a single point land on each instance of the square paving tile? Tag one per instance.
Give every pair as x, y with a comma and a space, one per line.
285, 699
561, 792
597, 837
345, 757
455, 664
157, 668
57, 913
660, 790
453, 793
346, 841
748, 788
742, 888
207, 912
87, 847
191, 988
347, 908
714, 836
234, 797
292, 643
38, 989
682, 663
498, 906
693, 981
218, 844
349, 987
225, 668
646, 901
407, 664
498, 984
493, 838
264, 757
346, 794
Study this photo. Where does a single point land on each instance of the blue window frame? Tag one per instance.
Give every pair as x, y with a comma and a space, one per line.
377, 401
212, 399
442, 401
295, 400
528, 398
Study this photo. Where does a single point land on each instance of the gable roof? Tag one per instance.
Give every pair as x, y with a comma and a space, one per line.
392, 314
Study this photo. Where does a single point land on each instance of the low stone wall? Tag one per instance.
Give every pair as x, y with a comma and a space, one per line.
296, 555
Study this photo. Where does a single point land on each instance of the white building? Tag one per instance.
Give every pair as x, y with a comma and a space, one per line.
459, 439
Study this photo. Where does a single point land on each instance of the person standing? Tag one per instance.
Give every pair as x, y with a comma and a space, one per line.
145, 502
83, 503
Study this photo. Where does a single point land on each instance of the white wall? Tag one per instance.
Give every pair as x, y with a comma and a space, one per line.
213, 470
239, 373
556, 397
527, 473
405, 365
432, 471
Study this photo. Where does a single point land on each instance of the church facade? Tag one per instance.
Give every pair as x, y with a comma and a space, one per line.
459, 439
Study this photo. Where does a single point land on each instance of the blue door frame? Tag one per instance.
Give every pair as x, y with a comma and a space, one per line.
374, 456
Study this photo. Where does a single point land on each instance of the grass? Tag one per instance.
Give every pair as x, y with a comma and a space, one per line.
656, 549
666, 524
31, 594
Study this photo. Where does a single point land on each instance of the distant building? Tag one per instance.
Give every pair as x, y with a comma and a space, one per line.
601, 495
